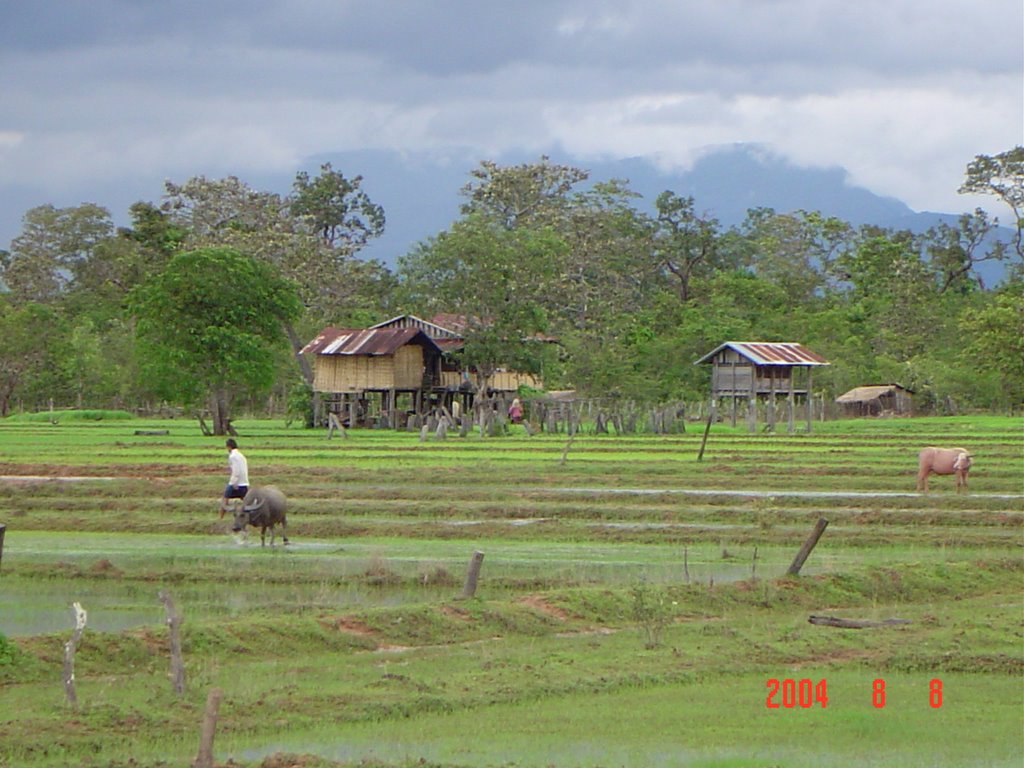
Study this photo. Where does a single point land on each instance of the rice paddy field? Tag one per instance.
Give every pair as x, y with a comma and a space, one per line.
632, 607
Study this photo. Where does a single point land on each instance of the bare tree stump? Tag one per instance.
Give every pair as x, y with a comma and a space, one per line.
174, 627
69, 655
473, 575
205, 757
805, 550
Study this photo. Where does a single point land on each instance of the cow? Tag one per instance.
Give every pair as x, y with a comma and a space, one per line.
263, 507
943, 461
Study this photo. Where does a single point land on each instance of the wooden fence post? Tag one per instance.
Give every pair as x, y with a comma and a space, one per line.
205, 757
700, 456
805, 550
69, 655
473, 575
174, 626
3, 530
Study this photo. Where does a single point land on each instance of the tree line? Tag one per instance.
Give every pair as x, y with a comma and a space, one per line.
205, 299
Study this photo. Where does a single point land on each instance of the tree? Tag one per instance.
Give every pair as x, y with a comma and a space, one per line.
28, 331
1002, 176
795, 250
895, 287
955, 252
995, 335
208, 327
337, 208
496, 279
685, 243
529, 194
52, 250
333, 285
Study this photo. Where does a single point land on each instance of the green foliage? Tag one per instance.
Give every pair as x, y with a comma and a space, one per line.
300, 403
652, 610
337, 208
209, 323
631, 298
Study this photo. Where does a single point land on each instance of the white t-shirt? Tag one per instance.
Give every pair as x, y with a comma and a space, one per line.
239, 468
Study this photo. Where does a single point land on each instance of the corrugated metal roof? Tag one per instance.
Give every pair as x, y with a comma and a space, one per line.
432, 329
369, 341
769, 353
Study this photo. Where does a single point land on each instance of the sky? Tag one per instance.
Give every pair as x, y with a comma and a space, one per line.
102, 100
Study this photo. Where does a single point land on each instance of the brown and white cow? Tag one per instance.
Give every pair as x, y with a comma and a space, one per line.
943, 461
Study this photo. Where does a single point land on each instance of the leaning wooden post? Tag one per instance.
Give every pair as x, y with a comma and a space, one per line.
205, 757
805, 550
174, 626
707, 428
473, 575
69, 655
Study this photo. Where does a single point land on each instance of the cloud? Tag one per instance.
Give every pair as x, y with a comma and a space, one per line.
902, 93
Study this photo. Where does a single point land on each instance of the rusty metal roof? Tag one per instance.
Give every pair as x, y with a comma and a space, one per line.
769, 353
369, 341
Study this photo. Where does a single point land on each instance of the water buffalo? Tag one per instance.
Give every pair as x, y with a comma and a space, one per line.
943, 461
263, 507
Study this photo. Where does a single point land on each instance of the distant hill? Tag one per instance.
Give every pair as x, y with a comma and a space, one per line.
421, 197
420, 193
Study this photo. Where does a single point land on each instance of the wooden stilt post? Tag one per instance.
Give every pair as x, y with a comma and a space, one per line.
805, 550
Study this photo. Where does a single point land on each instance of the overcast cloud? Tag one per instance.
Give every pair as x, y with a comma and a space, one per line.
121, 94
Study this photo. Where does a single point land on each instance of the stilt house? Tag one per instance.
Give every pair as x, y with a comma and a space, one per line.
762, 372
374, 374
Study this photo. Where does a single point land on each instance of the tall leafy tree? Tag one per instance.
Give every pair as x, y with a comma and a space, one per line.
337, 209
209, 325
794, 250
524, 195
1001, 175
995, 341
495, 278
29, 333
53, 250
289, 234
956, 252
686, 243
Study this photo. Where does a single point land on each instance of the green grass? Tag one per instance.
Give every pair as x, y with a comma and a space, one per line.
352, 643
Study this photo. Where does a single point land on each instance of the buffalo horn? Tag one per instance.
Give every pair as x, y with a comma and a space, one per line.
254, 507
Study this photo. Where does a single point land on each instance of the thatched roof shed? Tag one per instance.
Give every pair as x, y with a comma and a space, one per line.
877, 400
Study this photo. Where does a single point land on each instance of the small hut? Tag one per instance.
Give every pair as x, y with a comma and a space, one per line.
363, 372
762, 371
877, 400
